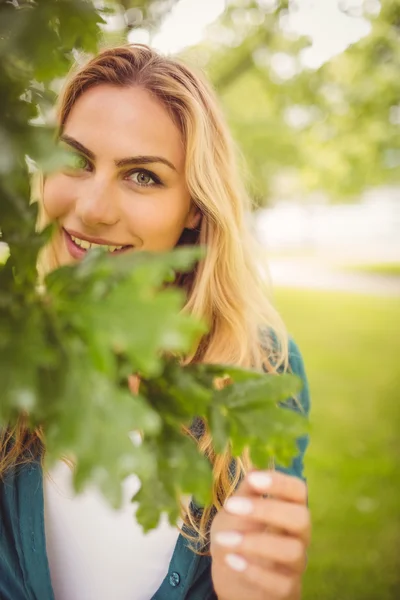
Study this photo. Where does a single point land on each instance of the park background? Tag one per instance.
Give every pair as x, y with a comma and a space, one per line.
311, 90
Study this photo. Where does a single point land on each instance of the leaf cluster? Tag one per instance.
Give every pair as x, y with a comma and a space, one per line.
68, 347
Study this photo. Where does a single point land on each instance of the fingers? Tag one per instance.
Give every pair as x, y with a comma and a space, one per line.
275, 585
263, 539
287, 516
269, 583
270, 548
273, 483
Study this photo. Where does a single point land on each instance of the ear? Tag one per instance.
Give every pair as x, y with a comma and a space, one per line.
194, 217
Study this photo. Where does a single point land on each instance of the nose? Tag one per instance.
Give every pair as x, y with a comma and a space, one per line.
96, 205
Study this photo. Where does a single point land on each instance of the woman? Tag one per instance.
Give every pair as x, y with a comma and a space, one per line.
153, 167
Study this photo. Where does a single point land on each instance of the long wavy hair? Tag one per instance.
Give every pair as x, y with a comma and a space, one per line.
228, 289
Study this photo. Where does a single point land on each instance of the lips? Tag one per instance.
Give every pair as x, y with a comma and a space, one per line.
78, 245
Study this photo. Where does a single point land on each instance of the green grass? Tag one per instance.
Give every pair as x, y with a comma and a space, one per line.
392, 269
351, 348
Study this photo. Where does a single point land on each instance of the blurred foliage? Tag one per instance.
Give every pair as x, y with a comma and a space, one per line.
335, 129
355, 142
68, 347
127, 15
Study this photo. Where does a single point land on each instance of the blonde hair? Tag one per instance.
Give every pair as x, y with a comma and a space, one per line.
227, 289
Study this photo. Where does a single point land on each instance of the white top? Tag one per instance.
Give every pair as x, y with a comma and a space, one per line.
96, 552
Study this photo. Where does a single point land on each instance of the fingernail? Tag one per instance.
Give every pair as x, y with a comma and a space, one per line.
228, 538
235, 562
239, 506
260, 481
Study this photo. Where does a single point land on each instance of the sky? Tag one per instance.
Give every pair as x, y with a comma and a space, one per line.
331, 31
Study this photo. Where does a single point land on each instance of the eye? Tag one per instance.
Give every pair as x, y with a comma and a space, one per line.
144, 178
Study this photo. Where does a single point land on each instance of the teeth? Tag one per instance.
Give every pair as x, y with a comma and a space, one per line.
87, 245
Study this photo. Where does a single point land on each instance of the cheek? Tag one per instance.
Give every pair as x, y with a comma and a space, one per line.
58, 196
158, 221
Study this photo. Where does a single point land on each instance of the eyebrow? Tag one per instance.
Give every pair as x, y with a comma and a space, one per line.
123, 162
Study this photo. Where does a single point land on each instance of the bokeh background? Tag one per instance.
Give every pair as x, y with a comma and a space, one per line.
311, 90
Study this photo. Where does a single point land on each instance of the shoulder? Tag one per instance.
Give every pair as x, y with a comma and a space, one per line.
300, 403
297, 367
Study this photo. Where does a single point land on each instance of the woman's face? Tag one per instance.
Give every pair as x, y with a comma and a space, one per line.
126, 188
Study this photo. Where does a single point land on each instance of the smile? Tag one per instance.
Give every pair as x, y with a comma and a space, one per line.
78, 246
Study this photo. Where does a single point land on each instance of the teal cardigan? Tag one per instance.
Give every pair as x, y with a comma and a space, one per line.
24, 568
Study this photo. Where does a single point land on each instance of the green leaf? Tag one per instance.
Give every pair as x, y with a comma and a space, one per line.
257, 391
219, 425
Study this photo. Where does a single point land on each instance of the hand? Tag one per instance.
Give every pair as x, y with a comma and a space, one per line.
264, 554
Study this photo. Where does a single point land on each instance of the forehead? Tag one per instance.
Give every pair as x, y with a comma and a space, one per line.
116, 122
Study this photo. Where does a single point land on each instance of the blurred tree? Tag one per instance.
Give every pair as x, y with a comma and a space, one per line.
355, 140
127, 15
334, 129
